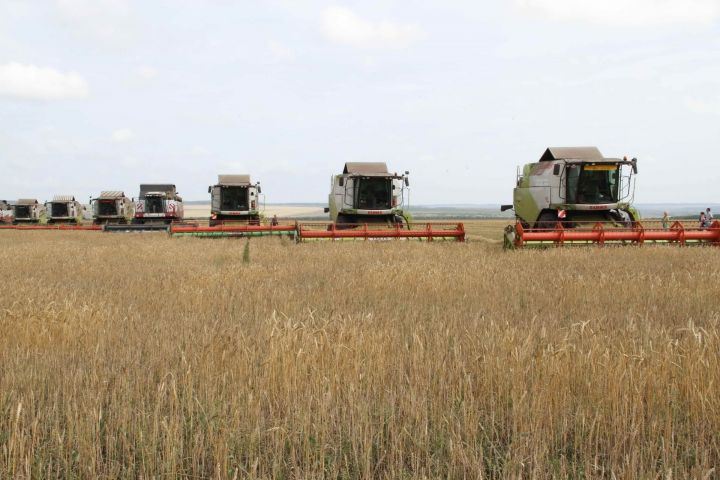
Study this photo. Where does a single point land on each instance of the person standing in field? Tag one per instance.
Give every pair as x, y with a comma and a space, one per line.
665, 221
702, 219
708, 217
274, 221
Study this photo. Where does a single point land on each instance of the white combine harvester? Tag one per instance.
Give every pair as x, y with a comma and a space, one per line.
64, 209
5, 211
158, 204
367, 193
367, 202
27, 210
235, 199
111, 207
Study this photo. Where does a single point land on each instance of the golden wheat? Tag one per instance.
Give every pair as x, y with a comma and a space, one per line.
128, 356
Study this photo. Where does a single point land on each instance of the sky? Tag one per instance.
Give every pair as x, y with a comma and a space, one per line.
107, 94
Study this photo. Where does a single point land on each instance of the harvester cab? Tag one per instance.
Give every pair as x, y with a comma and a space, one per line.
576, 186
111, 207
235, 199
367, 192
158, 203
27, 210
64, 209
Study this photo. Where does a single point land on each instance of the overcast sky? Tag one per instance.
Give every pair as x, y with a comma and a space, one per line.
106, 94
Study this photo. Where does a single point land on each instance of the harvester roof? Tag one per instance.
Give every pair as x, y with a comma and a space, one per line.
167, 188
240, 180
111, 194
366, 168
63, 198
591, 154
27, 201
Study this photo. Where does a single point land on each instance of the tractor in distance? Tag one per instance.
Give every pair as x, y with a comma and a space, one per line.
64, 209
158, 204
575, 185
27, 210
111, 207
5, 211
367, 193
234, 199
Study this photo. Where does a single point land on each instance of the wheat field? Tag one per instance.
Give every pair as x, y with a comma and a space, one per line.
143, 356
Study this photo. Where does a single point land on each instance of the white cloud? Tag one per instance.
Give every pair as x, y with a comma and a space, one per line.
342, 25
40, 83
122, 135
625, 13
148, 73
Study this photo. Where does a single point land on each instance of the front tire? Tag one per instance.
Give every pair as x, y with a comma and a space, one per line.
547, 220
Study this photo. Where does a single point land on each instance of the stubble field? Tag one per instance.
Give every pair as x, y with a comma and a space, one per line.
142, 356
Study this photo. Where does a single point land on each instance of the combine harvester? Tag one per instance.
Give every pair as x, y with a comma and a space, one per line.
157, 207
576, 196
234, 212
366, 202
111, 207
234, 200
27, 211
64, 209
5, 212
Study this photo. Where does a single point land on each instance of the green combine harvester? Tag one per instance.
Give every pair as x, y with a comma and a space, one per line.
575, 185
573, 188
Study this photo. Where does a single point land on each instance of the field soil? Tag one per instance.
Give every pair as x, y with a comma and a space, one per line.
144, 356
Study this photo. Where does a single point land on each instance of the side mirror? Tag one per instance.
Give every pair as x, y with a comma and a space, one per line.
259, 189
326, 210
209, 189
633, 162
407, 182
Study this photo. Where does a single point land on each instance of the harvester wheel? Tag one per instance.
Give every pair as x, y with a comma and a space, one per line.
402, 221
509, 237
547, 220
344, 223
